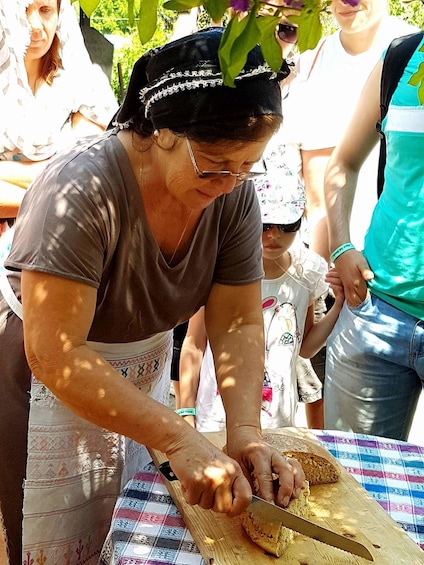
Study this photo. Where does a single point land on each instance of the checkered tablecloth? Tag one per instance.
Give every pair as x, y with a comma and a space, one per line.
148, 530
391, 471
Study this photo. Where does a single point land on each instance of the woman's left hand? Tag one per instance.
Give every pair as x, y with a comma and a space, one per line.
260, 462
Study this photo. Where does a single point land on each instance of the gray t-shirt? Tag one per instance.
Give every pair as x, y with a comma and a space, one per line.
84, 220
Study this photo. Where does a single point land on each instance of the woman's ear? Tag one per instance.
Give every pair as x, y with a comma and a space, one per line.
164, 138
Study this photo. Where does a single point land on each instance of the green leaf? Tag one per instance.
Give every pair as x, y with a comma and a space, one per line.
227, 60
216, 8
131, 12
310, 27
234, 28
182, 5
237, 45
147, 19
417, 79
271, 49
88, 6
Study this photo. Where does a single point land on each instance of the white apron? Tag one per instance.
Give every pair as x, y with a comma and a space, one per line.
75, 470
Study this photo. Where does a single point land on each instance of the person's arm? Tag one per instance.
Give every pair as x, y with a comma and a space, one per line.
4, 554
340, 185
20, 173
15, 177
314, 163
10, 199
234, 325
315, 334
82, 126
57, 317
191, 357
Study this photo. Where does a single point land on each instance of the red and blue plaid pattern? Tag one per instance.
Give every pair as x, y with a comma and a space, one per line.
391, 471
148, 530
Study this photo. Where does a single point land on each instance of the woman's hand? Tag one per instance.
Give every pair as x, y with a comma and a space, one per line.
209, 477
354, 273
261, 461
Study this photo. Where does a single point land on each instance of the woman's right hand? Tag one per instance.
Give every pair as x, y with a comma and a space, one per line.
210, 478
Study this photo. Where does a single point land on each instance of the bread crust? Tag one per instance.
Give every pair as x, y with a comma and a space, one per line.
319, 467
318, 464
270, 535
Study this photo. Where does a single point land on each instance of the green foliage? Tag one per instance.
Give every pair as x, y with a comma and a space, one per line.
89, 6
270, 49
243, 33
149, 23
147, 19
111, 17
310, 26
409, 10
240, 36
216, 8
418, 79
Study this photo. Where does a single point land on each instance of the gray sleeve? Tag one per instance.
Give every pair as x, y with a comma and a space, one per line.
64, 225
240, 246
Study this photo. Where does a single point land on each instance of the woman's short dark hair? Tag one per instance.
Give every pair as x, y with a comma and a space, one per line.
252, 128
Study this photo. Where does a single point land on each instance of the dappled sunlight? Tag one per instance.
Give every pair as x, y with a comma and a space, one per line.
228, 382
338, 517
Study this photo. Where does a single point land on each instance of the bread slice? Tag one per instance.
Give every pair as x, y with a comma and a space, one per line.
318, 464
271, 536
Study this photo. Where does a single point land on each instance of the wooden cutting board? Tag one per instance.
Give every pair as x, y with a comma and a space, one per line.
344, 507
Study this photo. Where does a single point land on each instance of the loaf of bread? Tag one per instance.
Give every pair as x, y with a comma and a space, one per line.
271, 536
319, 467
318, 464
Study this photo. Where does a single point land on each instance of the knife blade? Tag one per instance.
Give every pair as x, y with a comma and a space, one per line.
270, 512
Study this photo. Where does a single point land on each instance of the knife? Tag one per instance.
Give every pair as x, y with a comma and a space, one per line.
268, 512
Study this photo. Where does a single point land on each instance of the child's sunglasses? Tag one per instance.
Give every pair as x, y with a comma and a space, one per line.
285, 228
287, 33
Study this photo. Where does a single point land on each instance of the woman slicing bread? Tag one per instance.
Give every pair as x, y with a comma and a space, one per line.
119, 241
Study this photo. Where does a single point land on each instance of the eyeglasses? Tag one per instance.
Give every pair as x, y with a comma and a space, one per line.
245, 175
287, 33
285, 228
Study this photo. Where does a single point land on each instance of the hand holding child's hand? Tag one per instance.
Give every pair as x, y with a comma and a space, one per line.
336, 285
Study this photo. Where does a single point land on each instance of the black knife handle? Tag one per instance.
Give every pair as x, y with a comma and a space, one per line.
167, 472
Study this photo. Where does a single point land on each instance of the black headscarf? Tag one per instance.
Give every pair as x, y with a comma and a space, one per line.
181, 84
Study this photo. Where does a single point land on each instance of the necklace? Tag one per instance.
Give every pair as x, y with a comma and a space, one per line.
297, 273
140, 172
181, 238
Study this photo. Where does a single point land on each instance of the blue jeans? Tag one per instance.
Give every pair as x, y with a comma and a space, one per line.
374, 370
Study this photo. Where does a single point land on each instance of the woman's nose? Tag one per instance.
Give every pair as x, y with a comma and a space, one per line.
35, 21
228, 184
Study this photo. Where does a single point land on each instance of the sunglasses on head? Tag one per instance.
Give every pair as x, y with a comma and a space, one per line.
287, 33
285, 228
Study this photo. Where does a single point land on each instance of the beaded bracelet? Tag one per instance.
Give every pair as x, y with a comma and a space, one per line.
186, 412
340, 250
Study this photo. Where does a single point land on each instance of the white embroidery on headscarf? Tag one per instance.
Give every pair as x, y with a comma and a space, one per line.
181, 81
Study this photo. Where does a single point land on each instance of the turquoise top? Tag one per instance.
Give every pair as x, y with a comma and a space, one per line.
394, 244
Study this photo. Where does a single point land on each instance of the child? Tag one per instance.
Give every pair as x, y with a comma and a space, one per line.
294, 280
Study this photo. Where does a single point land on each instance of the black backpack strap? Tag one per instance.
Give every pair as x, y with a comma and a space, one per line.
397, 56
